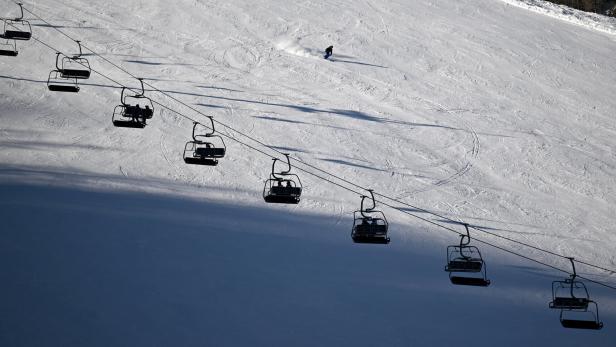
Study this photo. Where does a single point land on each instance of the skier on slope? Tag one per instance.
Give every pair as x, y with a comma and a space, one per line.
328, 52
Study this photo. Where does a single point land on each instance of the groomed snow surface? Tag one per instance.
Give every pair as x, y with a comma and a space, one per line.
474, 109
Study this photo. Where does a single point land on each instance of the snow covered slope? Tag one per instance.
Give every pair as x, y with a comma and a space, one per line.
479, 111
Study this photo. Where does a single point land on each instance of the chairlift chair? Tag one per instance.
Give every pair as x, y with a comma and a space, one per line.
75, 66
577, 310
465, 264
282, 187
203, 149
130, 113
64, 77
18, 28
369, 225
8, 48
57, 83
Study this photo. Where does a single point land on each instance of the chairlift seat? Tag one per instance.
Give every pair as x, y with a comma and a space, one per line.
286, 191
281, 199
469, 281
371, 238
201, 161
371, 229
210, 152
280, 193
63, 88
8, 53
17, 35
581, 324
370, 232
128, 124
464, 266
75, 73
569, 303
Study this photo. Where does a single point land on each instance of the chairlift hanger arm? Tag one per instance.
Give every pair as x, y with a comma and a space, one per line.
213, 130
122, 97
274, 169
80, 52
362, 210
574, 275
58, 61
466, 237
286, 172
373, 201
288, 165
142, 88
21, 7
194, 130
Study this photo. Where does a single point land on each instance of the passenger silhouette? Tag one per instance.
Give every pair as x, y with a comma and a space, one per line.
147, 113
136, 112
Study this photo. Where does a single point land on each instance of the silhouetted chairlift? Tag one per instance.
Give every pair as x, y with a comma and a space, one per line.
465, 264
57, 83
282, 187
18, 28
130, 113
73, 67
369, 225
577, 310
8, 48
204, 149
68, 71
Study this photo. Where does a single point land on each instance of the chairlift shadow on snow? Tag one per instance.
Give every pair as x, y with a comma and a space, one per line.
45, 82
145, 62
453, 222
289, 149
211, 105
221, 88
46, 146
283, 120
45, 25
348, 163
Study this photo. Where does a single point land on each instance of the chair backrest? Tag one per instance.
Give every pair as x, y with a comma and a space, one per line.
371, 229
464, 265
132, 111
147, 112
288, 191
210, 152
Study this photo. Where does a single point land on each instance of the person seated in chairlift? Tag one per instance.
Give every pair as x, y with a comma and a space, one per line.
328, 52
137, 111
